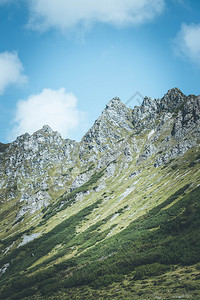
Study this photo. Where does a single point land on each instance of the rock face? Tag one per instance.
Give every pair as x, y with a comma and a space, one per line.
37, 168
187, 119
33, 203
148, 113
68, 208
114, 122
31, 165
174, 122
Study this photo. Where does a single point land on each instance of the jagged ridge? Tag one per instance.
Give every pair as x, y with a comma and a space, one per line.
29, 162
126, 164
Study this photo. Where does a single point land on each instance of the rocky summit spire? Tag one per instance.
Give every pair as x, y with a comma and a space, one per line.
47, 129
173, 98
114, 102
114, 121
144, 116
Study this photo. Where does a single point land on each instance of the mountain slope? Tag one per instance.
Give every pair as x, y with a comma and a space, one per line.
120, 206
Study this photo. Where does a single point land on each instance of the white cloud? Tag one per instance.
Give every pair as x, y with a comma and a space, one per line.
67, 15
55, 108
11, 70
187, 43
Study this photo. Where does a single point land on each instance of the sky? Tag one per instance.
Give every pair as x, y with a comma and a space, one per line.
62, 61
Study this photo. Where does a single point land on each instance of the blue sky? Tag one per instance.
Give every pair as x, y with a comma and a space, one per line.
61, 61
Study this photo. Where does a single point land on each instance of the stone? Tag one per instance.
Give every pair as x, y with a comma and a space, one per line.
35, 168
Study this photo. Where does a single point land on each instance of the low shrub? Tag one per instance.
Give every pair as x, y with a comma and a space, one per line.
154, 269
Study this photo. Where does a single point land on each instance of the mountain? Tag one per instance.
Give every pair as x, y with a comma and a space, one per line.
115, 215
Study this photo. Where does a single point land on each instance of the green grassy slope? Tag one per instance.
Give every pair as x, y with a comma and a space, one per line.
114, 244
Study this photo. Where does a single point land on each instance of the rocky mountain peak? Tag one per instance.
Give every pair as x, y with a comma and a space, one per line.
114, 109
116, 112
40, 135
149, 105
42, 138
114, 102
151, 109
174, 92
173, 98
47, 129
114, 121
46, 132
22, 138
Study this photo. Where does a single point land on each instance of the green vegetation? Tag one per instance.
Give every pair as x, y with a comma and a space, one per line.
154, 269
91, 167
68, 199
167, 235
132, 231
23, 257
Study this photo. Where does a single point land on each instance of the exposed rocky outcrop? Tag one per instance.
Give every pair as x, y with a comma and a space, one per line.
175, 116
35, 168
32, 165
188, 118
148, 114
113, 124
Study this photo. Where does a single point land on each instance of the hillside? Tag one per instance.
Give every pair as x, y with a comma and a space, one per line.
115, 215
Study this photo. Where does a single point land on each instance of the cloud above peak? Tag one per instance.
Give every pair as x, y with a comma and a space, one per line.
187, 43
11, 70
68, 15
55, 108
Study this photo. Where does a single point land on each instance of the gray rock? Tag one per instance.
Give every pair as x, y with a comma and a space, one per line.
37, 168
33, 203
28, 238
4, 268
80, 180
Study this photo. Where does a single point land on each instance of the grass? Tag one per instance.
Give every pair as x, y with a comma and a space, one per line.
176, 239
75, 256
